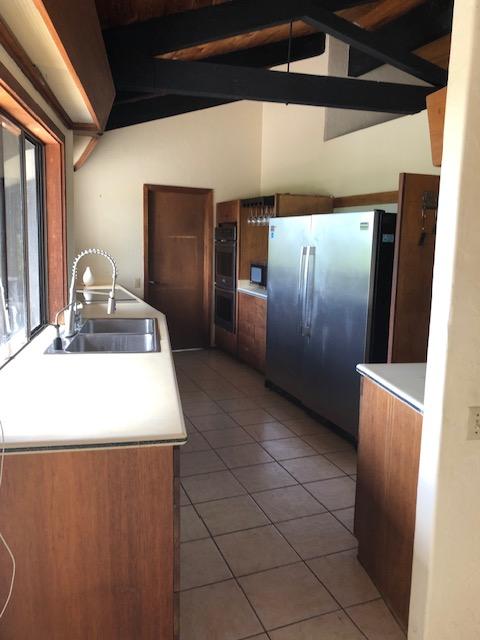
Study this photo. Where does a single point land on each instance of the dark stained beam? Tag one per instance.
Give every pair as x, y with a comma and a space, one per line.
155, 108
413, 30
190, 28
224, 82
266, 56
373, 44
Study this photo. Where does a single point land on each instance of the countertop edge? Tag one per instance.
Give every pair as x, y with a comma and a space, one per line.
399, 393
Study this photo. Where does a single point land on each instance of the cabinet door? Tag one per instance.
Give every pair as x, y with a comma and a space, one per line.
413, 270
388, 458
228, 211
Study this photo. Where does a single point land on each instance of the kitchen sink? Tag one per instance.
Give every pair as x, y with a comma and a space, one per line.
113, 343
112, 335
120, 325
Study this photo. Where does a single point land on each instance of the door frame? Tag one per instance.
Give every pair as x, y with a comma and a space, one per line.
207, 245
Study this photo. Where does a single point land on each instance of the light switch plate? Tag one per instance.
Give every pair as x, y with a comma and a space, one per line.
473, 423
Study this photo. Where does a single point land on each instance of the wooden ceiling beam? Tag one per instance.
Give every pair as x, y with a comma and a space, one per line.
386, 12
209, 80
183, 30
423, 25
374, 44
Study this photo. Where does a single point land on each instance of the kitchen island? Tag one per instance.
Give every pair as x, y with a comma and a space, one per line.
89, 500
391, 415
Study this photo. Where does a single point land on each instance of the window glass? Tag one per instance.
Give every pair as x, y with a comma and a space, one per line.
21, 242
34, 234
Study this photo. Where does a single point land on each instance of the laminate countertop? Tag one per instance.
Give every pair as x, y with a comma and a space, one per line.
405, 381
245, 286
92, 400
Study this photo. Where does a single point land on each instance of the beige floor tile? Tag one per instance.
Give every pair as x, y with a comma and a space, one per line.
325, 441
189, 397
200, 462
232, 514
345, 578
270, 399
187, 386
251, 416
222, 392
264, 476
212, 486
237, 404
287, 503
184, 499
255, 550
250, 387
346, 517
376, 621
268, 431
346, 460
212, 422
195, 442
319, 535
312, 468
303, 426
330, 626
191, 526
288, 448
227, 437
244, 455
217, 612
194, 409
290, 412
286, 595
337, 493
201, 563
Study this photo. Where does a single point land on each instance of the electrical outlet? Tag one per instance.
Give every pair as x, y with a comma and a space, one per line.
473, 423
137, 283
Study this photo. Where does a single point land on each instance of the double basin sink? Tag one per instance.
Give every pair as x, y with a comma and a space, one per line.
114, 335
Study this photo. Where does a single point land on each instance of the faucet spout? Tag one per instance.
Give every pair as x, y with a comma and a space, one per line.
70, 322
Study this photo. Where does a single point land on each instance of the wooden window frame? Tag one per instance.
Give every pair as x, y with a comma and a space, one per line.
18, 104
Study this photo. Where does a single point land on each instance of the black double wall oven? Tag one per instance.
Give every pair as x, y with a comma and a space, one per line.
226, 276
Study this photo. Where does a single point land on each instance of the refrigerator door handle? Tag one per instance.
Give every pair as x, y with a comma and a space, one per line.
302, 284
308, 299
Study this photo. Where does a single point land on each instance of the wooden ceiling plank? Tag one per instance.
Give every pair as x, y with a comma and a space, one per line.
437, 52
374, 45
191, 28
419, 27
225, 82
386, 12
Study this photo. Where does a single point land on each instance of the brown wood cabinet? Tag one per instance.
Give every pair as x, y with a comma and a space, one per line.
388, 459
95, 536
252, 330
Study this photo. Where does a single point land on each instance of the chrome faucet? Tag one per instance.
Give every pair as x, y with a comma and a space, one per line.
72, 302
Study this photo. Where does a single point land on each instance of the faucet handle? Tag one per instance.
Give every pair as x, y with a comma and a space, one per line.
112, 305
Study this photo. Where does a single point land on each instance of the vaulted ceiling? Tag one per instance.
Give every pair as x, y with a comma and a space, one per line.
174, 56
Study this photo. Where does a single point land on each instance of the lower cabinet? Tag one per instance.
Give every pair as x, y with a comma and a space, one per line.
95, 534
252, 330
388, 459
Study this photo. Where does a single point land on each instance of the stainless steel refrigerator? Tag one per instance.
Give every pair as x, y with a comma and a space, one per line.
329, 290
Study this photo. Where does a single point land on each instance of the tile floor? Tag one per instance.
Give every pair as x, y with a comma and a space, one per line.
267, 549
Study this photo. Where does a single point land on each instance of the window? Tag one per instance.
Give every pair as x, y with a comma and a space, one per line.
22, 272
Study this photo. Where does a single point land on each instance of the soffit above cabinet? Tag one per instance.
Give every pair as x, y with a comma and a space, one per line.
63, 49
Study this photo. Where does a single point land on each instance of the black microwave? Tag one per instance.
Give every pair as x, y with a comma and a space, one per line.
258, 274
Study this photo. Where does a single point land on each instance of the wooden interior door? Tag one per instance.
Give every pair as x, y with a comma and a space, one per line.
178, 228
413, 270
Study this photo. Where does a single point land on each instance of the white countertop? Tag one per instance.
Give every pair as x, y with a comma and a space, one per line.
405, 381
245, 286
91, 400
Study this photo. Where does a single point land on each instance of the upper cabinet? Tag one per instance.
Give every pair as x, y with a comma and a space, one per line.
61, 51
436, 119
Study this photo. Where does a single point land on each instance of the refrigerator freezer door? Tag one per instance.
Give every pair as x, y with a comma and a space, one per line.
339, 309
288, 261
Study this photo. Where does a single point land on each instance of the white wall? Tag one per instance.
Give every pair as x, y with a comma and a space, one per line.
446, 568
216, 148
295, 157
